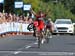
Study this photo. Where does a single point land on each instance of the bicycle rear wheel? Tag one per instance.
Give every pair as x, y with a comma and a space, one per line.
39, 42
48, 34
39, 39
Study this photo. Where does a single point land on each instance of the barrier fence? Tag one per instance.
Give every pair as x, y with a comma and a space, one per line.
13, 27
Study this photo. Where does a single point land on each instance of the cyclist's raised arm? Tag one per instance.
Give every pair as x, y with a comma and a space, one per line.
32, 12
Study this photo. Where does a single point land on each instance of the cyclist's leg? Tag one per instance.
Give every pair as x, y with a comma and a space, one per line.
34, 33
50, 33
38, 37
37, 34
42, 35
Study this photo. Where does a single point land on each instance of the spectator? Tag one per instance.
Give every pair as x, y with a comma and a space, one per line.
30, 20
26, 20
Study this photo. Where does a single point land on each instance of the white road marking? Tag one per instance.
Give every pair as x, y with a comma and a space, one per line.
44, 53
28, 47
17, 52
39, 52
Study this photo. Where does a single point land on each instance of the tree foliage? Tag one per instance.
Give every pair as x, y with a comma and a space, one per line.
9, 5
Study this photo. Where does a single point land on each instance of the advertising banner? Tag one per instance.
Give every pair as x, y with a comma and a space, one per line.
13, 27
18, 4
1, 1
26, 7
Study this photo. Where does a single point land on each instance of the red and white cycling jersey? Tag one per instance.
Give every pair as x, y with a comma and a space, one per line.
39, 25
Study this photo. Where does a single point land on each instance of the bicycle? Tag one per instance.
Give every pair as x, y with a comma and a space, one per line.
40, 37
38, 34
48, 35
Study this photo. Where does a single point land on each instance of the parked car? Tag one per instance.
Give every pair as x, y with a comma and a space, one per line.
63, 26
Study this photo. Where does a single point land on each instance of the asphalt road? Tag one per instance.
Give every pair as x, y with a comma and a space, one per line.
26, 45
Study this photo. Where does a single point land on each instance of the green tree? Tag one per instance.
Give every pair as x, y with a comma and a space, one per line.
9, 5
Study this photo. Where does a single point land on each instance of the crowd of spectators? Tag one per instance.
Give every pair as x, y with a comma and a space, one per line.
9, 17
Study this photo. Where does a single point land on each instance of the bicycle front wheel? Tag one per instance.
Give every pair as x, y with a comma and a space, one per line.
39, 42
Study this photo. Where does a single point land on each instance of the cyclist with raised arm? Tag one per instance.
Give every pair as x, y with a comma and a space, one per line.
41, 24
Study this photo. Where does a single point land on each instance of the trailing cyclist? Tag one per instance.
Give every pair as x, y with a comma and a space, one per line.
50, 25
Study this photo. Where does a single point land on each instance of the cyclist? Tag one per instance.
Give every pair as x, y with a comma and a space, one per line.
50, 25
41, 25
